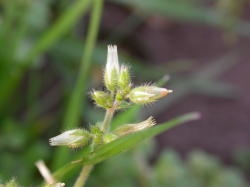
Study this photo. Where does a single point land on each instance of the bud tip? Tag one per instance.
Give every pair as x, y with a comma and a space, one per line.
166, 92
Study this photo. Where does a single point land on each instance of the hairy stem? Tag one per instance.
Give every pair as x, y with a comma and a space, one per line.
81, 180
107, 119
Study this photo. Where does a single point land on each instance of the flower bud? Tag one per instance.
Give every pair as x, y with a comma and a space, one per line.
131, 128
102, 99
112, 69
124, 79
71, 138
147, 94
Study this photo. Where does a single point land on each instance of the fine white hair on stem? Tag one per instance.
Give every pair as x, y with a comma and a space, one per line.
45, 172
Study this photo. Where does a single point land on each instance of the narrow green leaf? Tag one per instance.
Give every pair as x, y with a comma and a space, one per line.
125, 143
76, 101
66, 21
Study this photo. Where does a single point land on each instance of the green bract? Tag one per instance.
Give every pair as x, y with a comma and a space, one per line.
102, 99
124, 80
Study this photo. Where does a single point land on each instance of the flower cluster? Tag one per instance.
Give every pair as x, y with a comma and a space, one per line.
119, 93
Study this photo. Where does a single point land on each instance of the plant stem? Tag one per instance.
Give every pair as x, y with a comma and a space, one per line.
76, 101
81, 180
107, 119
45, 172
75, 104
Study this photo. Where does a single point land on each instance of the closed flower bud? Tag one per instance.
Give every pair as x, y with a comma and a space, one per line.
147, 94
71, 138
124, 79
102, 99
112, 69
132, 128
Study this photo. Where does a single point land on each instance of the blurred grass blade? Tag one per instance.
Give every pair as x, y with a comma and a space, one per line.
125, 143
222, 64
197, 82
178, 10
216, 89
77, 101
187, 11
66, 21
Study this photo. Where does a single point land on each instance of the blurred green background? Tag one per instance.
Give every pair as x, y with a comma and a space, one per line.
52, 54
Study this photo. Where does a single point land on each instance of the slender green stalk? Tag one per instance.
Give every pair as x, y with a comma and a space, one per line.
66, 21
107, 119
81, 180
76, 102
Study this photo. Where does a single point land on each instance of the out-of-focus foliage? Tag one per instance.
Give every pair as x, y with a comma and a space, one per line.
242, 158
193, 11
11, 183
38, 67
197, 170
27, 98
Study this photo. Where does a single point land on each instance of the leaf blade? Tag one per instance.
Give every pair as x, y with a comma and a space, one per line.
127, 142
124, 143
